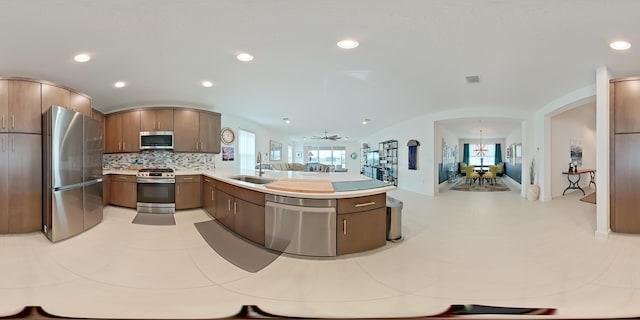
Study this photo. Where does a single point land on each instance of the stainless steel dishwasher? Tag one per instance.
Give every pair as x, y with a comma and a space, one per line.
301, 226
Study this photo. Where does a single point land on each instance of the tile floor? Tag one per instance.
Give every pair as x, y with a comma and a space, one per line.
492, 248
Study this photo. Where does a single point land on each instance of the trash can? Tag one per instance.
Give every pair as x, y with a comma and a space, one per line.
394, 219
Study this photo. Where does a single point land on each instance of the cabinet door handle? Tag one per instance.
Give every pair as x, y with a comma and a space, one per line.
119, 146
13, 121
234, 207
211, 195
228, 204
178, 189
201, 146
3, 122
188, 178
196, 145
365, 204
344, 227
123, 146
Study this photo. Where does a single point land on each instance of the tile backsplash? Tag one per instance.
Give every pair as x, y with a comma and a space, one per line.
162, 159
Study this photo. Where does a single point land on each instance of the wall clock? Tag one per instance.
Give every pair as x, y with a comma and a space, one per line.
227, 136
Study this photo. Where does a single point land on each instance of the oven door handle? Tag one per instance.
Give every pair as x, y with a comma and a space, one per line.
152, 180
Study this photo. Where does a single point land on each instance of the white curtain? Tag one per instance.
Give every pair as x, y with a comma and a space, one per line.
246, 150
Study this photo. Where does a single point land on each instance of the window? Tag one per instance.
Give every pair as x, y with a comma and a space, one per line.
335, 156
489, 157
246, 150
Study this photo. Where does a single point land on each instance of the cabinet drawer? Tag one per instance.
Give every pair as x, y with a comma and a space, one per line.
350, 205
242, 193
209, 181
123, 177
194, 178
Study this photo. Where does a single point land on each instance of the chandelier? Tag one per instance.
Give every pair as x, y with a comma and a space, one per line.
481, 150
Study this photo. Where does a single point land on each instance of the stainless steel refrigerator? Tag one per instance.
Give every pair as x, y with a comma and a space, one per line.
72, 152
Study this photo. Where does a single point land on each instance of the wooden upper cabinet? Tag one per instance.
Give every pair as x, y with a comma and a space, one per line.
4, 105
97, 115
25, 107
131, 131
156, 120
196, 131
80, 103
186, 133
57, 96
626, 106
53, 95
209, 132
122, 132
113, 135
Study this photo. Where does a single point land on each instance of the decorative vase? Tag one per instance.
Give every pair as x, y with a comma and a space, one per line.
533, 192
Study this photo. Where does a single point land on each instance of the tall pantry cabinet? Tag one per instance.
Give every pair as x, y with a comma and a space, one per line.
20, 156
625, 154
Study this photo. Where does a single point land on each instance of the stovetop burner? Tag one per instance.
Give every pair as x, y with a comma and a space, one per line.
156, 170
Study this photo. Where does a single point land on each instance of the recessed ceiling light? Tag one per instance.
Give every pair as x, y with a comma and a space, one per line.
286, 120
365, 121
207, 84
119, 84
620, 45
83, 57
347, 44
244, 57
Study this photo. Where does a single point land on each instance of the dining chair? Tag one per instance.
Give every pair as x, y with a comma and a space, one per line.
472, 176
491, 175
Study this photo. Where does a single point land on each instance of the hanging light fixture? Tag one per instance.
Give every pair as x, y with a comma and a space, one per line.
481, 150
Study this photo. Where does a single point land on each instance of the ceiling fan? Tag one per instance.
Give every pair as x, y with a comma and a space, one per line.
326, 137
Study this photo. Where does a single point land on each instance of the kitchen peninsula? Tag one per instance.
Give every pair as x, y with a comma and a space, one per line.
298, 222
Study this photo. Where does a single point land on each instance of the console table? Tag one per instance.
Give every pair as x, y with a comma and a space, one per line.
574, 184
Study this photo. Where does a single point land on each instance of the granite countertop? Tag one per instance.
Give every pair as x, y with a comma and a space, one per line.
225, 176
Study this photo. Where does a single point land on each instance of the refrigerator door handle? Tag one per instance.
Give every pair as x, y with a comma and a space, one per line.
68, 187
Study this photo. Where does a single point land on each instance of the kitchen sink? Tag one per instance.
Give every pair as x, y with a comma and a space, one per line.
252, 179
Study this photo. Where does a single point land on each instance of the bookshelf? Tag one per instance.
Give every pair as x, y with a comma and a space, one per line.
388, 161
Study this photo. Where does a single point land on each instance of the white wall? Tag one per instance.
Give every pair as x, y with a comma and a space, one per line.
451, 140
577, 124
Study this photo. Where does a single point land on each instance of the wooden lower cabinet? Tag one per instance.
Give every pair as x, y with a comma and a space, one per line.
106, 189
20, 183
224, 208
242, 212
188, 192
208, 195
361, 223
361, 231
123, 191
249, 221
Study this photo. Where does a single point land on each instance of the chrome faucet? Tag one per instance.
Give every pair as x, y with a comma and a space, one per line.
259, 160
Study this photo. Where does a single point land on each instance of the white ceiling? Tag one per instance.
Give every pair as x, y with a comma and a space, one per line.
413, 58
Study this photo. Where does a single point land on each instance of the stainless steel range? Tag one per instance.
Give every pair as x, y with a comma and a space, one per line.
156, 190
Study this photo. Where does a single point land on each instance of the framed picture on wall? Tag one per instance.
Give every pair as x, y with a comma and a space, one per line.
275, 150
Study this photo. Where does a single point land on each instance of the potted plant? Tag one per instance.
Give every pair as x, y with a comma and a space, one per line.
533, 190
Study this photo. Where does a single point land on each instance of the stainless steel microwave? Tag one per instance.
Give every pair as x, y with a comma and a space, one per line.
156, 140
